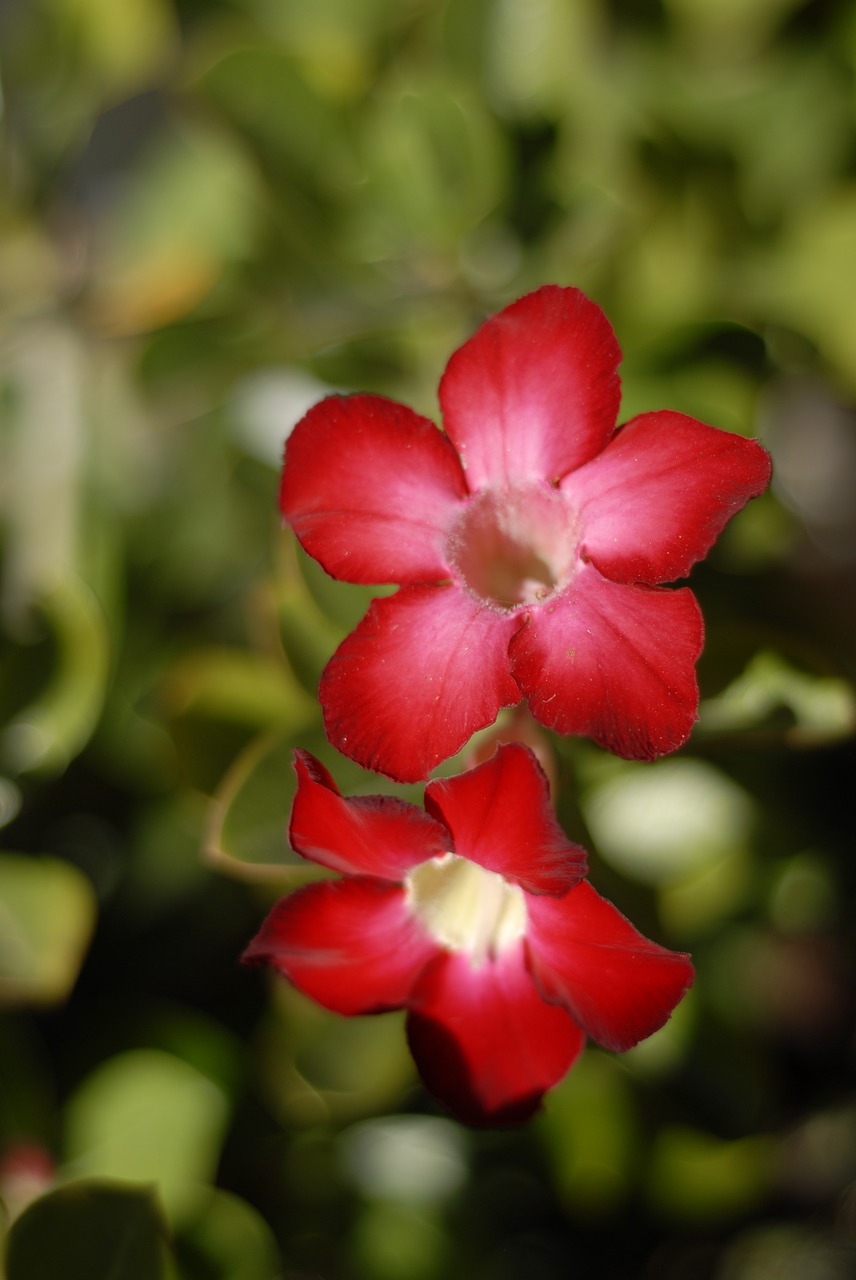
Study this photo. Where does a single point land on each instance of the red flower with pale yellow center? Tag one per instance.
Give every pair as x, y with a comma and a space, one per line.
475, 916
529, 541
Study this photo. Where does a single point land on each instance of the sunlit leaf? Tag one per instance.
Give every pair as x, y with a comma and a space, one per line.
820, 708
148, 1117
416, 1160
535, 56
658, 823
120, 48
47, 914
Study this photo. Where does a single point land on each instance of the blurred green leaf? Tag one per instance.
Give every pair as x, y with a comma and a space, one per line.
216, 701
294, 131
670, 269
309, 635
820, 708
708, 894
723, 26
233, 1239
237, 685
317, 1066
590, 1131
802, 894
537, 57
248, 817
189, 209
335, 41
47, 915
119, 47
659, 822
434, 168
665, 1050
804, 279
90, 1231
246, 829
695, 1177
399, 1242
344, 603
146, 1116
52, 728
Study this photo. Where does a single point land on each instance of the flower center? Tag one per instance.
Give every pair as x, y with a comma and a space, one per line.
515, 546
466, 908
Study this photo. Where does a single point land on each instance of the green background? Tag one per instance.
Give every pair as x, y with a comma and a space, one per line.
210, 215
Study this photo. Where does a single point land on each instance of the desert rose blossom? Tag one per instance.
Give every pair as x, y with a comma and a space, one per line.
473, 915
529, 541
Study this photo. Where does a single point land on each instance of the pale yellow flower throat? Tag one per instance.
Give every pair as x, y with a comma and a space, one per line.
466, 908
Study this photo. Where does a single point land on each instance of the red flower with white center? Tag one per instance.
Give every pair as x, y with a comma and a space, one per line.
529, 541
474, 915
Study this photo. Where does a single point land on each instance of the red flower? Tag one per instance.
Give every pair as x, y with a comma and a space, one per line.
528, 540
474, 915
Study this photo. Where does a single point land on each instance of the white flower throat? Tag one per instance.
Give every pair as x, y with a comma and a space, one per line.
466, 908
514, 546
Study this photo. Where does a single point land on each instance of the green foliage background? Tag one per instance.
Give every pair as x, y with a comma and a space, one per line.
210, 214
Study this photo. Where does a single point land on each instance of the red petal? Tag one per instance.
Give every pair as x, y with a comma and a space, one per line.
352, 945
663, 489
535, 392
378, 836
500, 816
422, 672
615, 983
368, 487
613, 662
485, 1042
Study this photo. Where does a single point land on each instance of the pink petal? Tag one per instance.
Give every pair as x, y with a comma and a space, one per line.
665, 486
615, 983
613, 662
368, 486
535, 392
351, 944
500, 816
422, 672
378, 836
485, 1042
